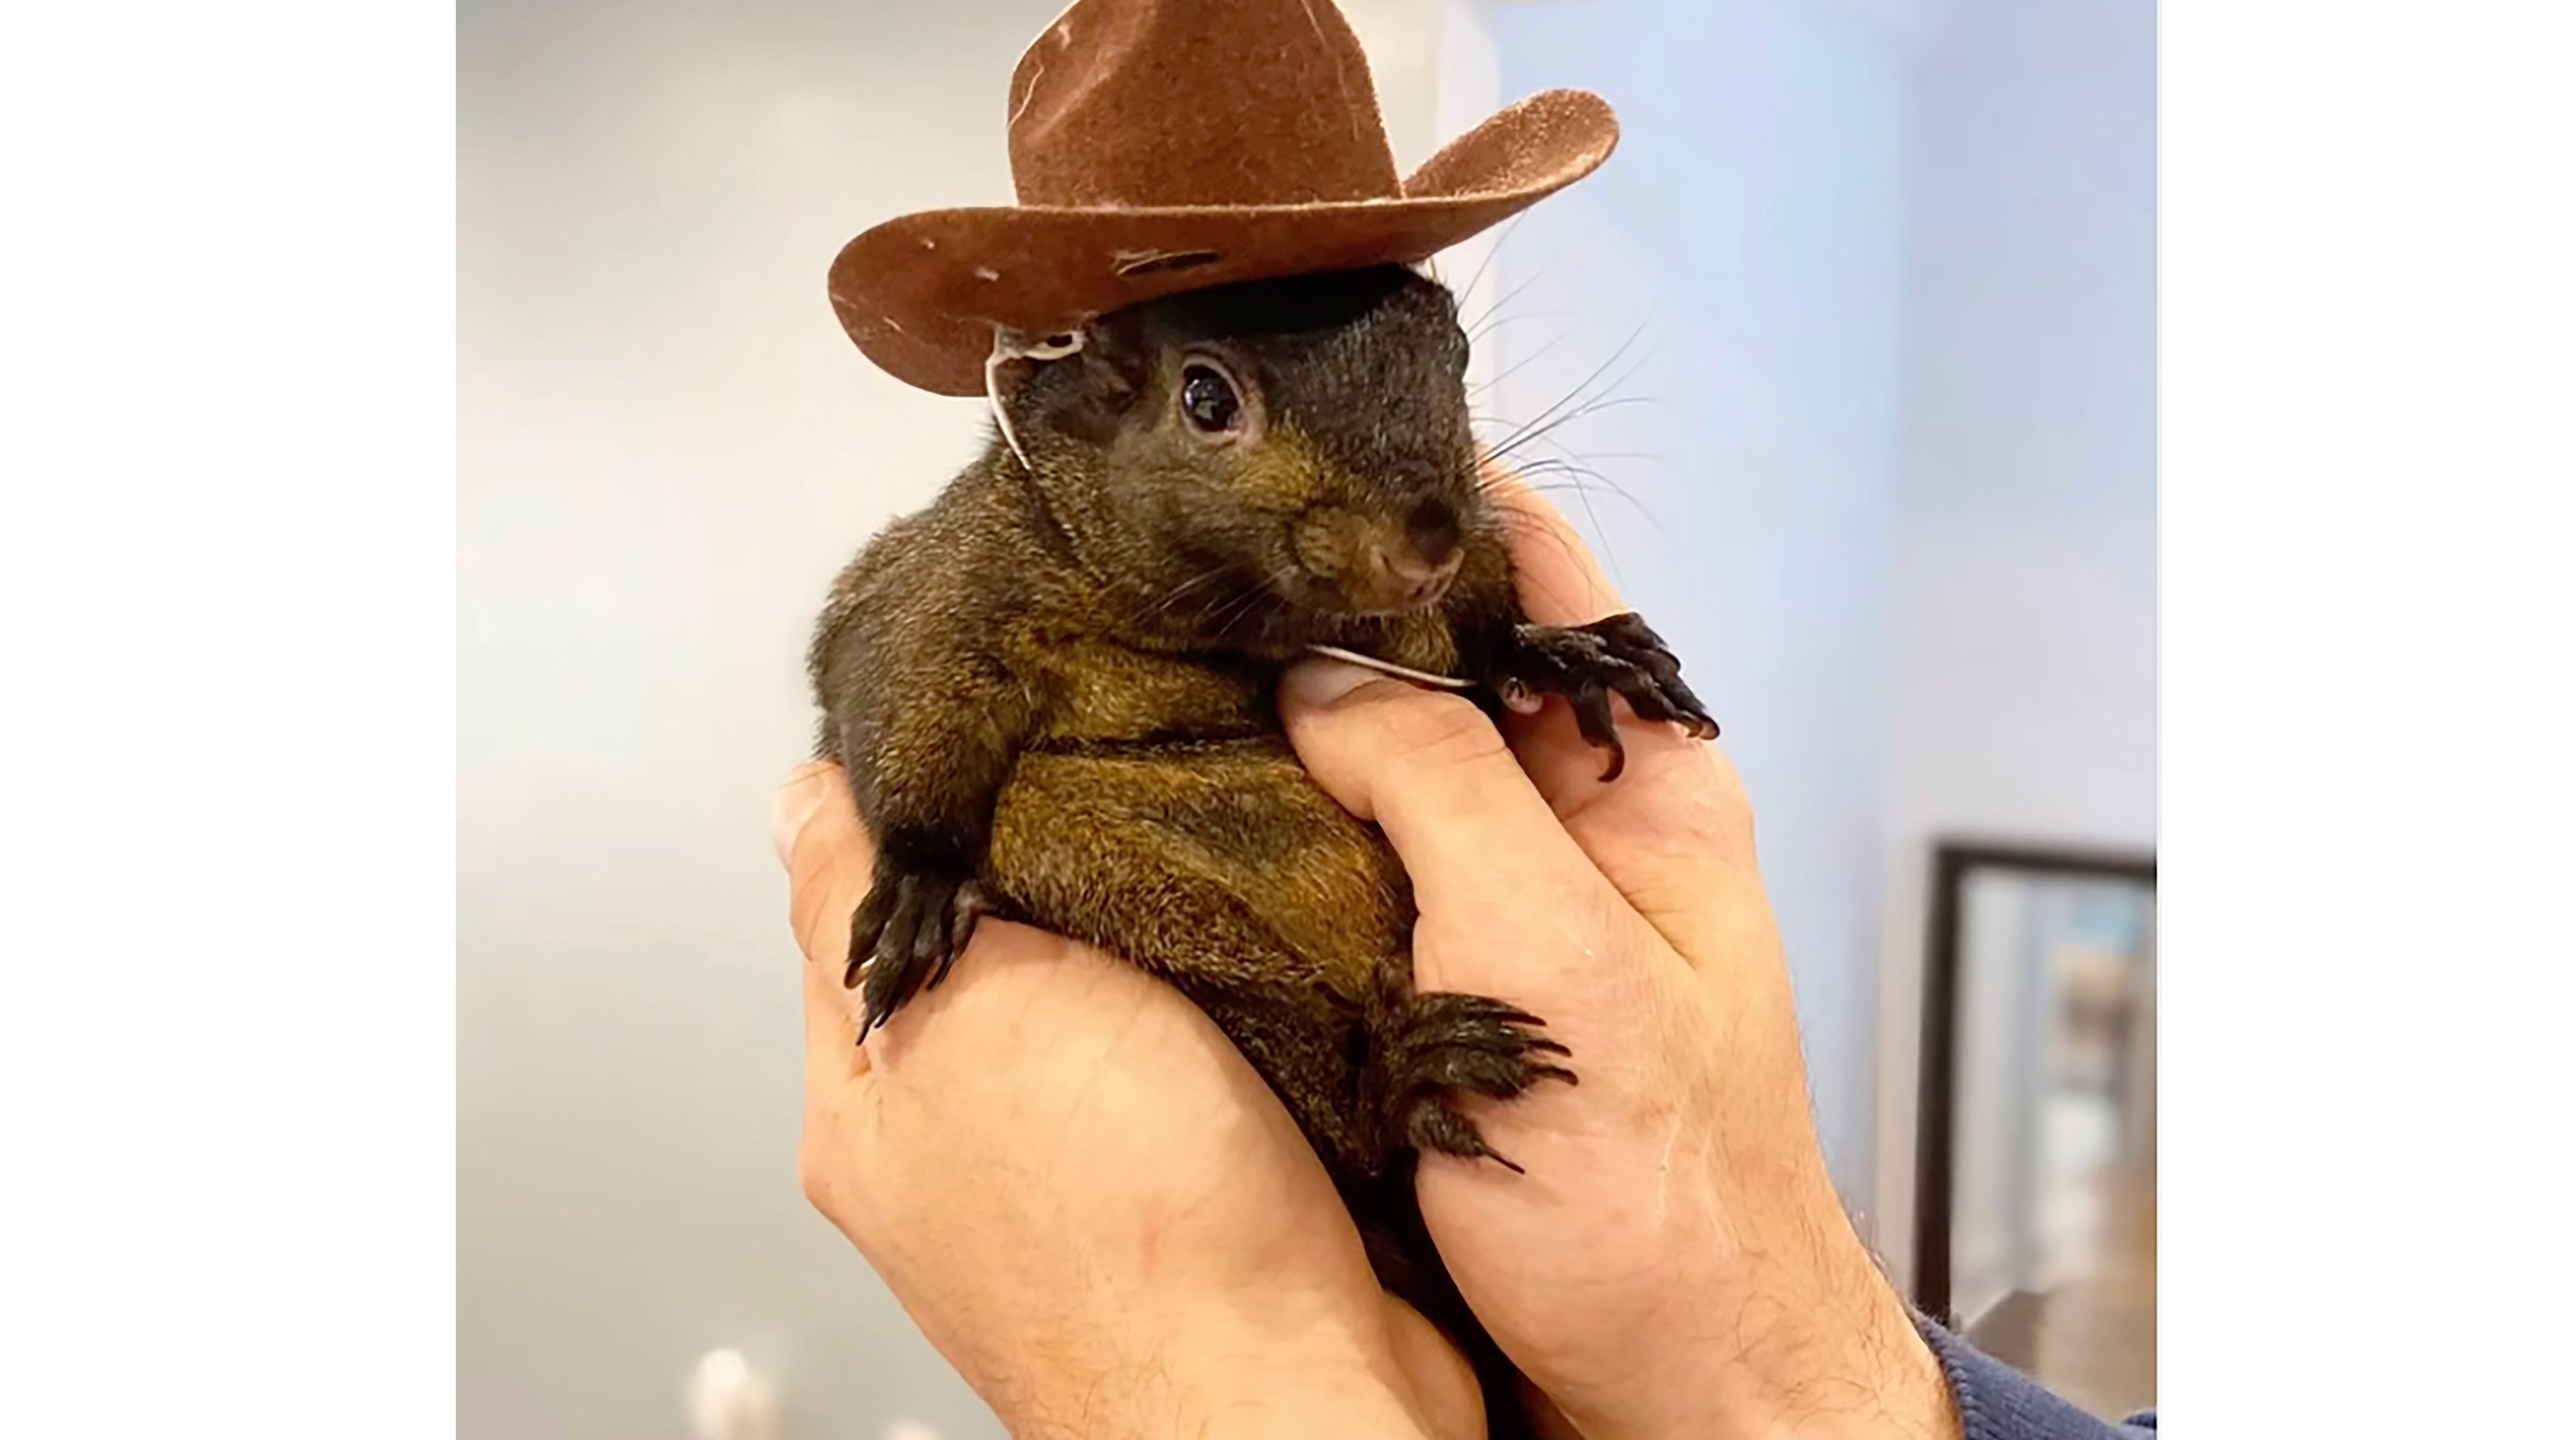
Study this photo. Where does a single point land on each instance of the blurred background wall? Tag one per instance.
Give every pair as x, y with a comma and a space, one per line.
2025, 666
1744, 250
1865, 302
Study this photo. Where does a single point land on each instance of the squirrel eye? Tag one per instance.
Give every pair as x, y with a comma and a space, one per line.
1208, 400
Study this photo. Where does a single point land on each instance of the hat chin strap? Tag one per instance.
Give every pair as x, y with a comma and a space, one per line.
1014, 345
1418, 677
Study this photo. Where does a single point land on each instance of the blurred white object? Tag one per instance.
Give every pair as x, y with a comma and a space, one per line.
905, 1429
727, 1400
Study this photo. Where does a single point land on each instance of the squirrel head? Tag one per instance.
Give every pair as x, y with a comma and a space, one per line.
1298, 446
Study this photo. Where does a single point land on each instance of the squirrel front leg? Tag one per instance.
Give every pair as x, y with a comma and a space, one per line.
928, 782
1483, 630
928, 734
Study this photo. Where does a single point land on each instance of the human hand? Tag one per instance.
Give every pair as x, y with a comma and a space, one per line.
1674, 1261
1083, 1195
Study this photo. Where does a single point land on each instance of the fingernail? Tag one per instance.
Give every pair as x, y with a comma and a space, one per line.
1320, 682
796, 804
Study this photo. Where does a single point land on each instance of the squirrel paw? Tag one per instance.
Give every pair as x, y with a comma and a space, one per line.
1429, 1050
909, 929
1586, 664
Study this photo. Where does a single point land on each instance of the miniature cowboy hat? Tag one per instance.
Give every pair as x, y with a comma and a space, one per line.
1161, 146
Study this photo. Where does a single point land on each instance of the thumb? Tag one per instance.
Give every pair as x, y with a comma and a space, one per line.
819, 838
1433, 772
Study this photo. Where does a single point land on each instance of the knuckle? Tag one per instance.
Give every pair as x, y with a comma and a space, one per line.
1720, 814
813, 1180
820, 1181
823, 901
807, 906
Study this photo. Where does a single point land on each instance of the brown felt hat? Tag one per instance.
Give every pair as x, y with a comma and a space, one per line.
1161, 146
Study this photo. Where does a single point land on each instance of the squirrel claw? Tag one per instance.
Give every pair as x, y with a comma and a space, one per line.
1430, 1049
906, 934
1586, 664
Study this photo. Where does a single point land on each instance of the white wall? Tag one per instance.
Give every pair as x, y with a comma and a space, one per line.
668, 447
2024, 689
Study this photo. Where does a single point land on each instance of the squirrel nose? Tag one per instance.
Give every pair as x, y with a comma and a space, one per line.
1429, 560
1424, 579
1432, 530
1420, 570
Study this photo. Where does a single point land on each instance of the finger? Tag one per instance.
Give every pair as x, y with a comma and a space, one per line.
832, 1033
828, 858
1444, 1385
1673, 832
1473, 833
1678, 798
1429, 768
798, 801
1561, 583
1558, 580
1547, 1417
835, 1100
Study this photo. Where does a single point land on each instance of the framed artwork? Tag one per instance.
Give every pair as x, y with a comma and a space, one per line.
2038, 1113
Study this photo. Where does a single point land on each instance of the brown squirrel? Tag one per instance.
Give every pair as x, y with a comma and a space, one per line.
1054, 691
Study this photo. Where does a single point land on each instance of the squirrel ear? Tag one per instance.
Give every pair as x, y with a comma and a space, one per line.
1117, 358
1086, 390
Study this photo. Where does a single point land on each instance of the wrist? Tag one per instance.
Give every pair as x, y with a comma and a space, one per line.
1842, 1360
1800, 1338
1874, 1378
1223, 1377
1315, 1385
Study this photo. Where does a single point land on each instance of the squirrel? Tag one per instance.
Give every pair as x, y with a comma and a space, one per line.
1054, 691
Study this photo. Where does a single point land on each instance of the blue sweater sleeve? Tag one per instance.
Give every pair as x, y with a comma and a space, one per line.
1998, 1403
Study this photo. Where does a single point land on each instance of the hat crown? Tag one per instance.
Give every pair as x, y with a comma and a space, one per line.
1148, 103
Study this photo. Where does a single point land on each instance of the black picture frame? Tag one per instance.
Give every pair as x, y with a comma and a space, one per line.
1951, 861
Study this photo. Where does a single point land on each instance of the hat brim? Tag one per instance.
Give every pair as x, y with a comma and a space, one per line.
921, 294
